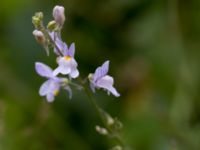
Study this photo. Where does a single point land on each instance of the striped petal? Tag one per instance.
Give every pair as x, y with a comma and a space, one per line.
101, 71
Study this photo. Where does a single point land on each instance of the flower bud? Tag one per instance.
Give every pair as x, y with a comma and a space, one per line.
52, 25
90, 76
65, 81
110, 120
37, 20
39, 36
107, 117
101, 130
59, 15
118, 147
117, 125
39, 15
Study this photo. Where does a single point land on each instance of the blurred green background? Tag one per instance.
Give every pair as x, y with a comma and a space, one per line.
154, 49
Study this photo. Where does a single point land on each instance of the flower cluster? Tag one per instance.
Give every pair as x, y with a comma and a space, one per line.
50, 37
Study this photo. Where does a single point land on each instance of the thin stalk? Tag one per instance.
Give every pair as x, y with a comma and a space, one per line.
98, 111
88, 93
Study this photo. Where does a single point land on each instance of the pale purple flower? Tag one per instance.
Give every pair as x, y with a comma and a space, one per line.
59, 15
66, 63
100, 79
51, 87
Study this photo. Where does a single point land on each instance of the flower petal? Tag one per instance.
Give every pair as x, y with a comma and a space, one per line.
62, 70
67, 67
107, 83
101, 71
74, 73
44, 89
50, 86
60, 45
50, 97
64, 67
71, 50
43, 70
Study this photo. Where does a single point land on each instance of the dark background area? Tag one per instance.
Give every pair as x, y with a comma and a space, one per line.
154, 52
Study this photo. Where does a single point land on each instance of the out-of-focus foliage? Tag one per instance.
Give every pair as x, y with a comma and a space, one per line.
154, 49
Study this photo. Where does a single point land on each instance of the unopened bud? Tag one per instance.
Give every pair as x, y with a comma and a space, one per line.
117, 148
52, 25
90, 76
110, 120
65, 81
101, 130
59, 15
39, 36
39, 15
107, 117
37, 20
118, 125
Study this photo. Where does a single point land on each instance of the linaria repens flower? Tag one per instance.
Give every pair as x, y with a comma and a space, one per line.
51, 87
67, 64
59, 15
100, 79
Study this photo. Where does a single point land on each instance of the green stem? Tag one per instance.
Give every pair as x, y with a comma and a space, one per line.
98, 111
88, 93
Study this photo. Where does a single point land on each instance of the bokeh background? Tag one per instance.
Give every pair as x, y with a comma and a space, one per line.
154, 50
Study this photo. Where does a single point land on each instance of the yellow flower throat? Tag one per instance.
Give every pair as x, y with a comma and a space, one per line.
55, 92
68, 58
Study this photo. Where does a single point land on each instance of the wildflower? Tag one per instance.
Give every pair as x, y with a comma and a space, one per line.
100, 79
51, 87
66, 63
59, 15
